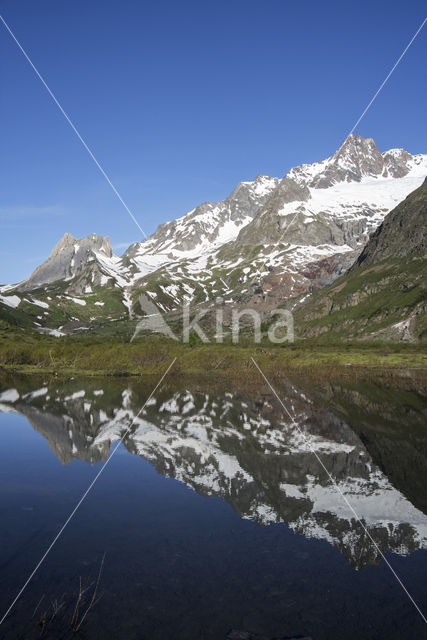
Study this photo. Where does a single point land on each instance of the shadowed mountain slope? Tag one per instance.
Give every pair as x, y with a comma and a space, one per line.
383, 295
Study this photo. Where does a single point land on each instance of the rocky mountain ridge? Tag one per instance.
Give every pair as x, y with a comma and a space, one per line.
69, 259
271, 240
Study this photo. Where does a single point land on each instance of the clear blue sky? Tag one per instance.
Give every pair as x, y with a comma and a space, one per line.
181, 100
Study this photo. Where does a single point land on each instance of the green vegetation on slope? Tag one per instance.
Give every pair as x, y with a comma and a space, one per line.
383, 296
54, 306
29, 351
369, 302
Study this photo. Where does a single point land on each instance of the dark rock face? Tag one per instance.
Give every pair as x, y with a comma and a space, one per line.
402, 233
382, 295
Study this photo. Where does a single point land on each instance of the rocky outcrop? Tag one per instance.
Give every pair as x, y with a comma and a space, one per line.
69, 258
205, 224
356, 158
402, 233
383, 294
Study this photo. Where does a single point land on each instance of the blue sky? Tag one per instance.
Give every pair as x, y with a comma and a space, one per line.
181, 100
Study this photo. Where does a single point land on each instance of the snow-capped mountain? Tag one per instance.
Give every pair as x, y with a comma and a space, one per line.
240, 448
270, 240
205, 228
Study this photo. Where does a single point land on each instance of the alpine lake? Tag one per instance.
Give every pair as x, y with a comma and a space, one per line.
219, 515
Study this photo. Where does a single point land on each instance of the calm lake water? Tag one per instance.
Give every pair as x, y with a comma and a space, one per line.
215, 517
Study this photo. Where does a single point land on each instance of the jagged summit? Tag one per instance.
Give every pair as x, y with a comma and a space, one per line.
291, 235
355, 159
248, 214
359, 155
70, 258
212, 224
92, 241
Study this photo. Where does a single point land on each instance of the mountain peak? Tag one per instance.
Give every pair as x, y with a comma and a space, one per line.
355, 159
356, 145
67, 240
93, 242
358, 157
69, 258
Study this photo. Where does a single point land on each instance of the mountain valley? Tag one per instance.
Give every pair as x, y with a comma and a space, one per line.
273, 242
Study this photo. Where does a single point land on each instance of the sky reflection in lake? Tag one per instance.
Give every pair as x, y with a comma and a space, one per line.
216, 515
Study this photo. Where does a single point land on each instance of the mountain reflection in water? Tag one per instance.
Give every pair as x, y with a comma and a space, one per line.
242, 448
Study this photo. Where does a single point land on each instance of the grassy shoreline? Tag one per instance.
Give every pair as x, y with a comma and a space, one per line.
152, 356
30, 352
